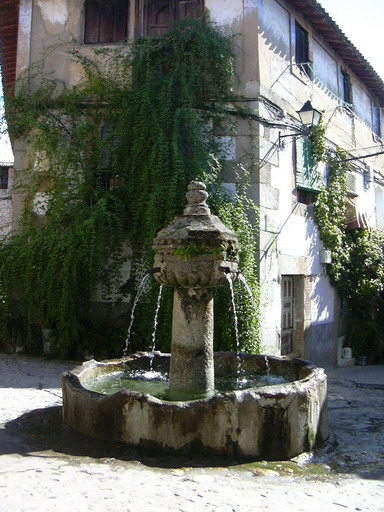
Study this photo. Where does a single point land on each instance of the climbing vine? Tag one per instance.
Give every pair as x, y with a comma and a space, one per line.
357, 269
319, 145
110, 160
330, 210
236, 214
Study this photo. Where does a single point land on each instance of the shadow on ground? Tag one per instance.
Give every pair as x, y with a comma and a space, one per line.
43, 432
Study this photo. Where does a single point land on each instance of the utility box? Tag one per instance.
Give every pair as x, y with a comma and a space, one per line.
325, 256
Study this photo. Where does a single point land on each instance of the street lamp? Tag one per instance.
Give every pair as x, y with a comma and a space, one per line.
309, 117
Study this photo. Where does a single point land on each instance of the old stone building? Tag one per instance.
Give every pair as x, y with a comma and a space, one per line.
289, 52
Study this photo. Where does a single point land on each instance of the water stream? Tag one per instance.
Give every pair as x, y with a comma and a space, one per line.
155, 322
230, 278
135, 302
243, 281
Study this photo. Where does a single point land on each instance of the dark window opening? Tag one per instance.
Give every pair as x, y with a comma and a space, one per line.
104, 178
302, 49
4, 178
346, 88
101, 180
376, 128
106, 21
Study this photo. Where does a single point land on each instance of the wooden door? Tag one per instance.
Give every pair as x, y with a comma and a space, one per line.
286, 314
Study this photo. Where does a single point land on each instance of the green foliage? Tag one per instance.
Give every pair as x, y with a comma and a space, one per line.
236, 214
363, 292
191, 251
330, 210
319, 145
113, 156
357, 268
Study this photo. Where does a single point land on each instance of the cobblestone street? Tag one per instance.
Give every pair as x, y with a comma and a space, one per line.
45, 466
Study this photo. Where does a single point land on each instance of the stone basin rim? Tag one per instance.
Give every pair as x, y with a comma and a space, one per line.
92, 364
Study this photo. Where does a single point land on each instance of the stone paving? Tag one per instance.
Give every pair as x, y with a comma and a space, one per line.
44, 466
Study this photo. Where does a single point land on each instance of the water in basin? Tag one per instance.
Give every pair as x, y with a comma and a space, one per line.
156, 383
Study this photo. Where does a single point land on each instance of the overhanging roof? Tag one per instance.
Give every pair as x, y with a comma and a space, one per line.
324, 25
310, 9
9, 21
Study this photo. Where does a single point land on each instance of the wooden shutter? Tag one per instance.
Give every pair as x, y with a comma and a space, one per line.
157, 17
286, 314
188, 9
106, 21
92, 17
306, 175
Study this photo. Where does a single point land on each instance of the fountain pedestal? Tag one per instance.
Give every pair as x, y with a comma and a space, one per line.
192, 254
191, 369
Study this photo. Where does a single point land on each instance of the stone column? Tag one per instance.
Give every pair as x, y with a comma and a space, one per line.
192, 370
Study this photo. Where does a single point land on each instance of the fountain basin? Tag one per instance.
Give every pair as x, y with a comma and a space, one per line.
274, 422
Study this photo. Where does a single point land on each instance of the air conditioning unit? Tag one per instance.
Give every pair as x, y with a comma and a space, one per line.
325, 256
351, 184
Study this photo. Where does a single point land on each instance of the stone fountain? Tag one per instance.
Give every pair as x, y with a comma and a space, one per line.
194, 254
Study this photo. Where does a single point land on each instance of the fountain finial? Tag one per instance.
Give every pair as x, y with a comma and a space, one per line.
197, 195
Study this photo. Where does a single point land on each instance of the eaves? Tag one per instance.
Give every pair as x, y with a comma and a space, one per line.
324, 25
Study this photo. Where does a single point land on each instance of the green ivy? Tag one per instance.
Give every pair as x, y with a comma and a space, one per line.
191, 251
236, 214
357, 269
319, 144
330, 211
142, 121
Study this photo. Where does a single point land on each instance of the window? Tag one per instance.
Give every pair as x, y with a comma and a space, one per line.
302, 49
379, 200
4, 178
345, 88
376, 128
103, 179
106, 21
307, 177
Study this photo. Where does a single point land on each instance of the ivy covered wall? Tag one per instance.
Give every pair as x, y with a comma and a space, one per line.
110, 160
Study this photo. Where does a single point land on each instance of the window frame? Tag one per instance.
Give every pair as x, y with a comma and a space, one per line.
346, 88
136, 18
376, 121
302, 49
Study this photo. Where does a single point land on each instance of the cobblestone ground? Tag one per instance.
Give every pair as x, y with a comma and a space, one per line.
45, 467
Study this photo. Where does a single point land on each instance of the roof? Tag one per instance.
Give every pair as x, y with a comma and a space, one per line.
9, 20
323, 24
310, 9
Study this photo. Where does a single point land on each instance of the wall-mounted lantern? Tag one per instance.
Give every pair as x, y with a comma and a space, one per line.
309, 117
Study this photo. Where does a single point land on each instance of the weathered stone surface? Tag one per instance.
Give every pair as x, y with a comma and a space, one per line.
193, 254
272, 422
